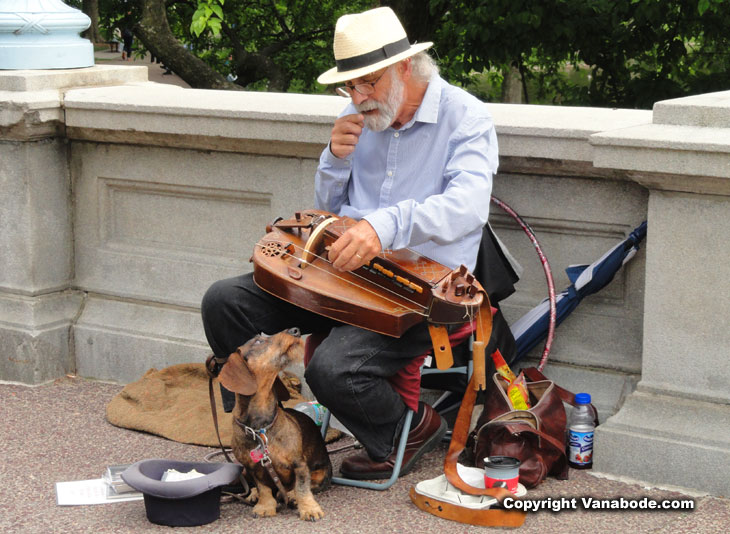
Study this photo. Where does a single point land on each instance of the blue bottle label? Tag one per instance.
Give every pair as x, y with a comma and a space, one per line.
580, 447
319, 413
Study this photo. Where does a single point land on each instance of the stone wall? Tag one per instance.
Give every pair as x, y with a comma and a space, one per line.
123, 200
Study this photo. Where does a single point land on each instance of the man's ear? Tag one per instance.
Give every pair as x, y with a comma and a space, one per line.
236, 376
406, 69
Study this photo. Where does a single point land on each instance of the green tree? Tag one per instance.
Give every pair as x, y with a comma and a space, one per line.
276, 45
153, 28
626, 53
634, 51
91, 8
273, 44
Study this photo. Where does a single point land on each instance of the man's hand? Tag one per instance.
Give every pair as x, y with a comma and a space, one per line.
354, 248
345, 135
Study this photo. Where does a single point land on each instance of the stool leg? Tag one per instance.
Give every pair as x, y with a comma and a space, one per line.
325, 423
396, 468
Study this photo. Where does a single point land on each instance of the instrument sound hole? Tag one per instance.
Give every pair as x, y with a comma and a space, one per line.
272, 249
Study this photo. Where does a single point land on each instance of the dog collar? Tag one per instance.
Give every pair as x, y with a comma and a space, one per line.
255, 433
261, 453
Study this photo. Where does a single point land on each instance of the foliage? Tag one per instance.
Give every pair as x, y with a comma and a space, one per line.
626, 53
634, 52
209, 15
116, 14
263, 44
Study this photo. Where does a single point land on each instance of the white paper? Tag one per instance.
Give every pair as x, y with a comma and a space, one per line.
79, 492
173, 475
471, 475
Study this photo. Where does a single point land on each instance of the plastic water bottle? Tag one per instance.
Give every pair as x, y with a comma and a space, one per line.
314, 410
580, 433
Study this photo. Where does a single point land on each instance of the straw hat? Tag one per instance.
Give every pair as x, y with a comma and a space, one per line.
367, 42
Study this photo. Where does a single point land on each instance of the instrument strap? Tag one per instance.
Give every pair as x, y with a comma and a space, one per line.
491, 517
441, 346
482, 334
458, 443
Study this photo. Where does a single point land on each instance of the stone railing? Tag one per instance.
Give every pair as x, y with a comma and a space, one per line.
123, 200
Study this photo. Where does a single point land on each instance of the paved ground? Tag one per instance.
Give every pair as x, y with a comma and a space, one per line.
58, 432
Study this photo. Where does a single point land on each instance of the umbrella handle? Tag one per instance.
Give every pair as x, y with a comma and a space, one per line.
548, 275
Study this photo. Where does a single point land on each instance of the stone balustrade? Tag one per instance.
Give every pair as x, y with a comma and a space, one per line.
122, 200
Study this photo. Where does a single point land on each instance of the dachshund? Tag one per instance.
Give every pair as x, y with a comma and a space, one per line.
280, 448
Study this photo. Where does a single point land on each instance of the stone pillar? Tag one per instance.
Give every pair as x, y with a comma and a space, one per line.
675, 428
37, 301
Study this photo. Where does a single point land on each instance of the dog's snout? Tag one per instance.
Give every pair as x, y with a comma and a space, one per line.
294, 332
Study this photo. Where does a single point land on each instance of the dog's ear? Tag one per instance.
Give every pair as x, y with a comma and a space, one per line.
282, 392
236, 376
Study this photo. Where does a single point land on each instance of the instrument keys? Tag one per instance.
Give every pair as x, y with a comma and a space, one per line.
397, 279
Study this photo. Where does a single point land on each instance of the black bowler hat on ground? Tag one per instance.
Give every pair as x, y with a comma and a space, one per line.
191, 502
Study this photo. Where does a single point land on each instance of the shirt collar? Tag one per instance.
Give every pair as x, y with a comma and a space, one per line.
428, 111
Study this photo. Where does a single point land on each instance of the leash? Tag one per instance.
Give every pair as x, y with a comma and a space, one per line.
210, 367
261, 453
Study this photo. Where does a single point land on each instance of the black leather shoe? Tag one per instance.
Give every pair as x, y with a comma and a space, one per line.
421, 439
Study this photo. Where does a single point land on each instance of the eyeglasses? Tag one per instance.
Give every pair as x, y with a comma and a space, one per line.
365, 88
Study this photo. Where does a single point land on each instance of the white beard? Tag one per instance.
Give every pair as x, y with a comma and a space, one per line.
388, 109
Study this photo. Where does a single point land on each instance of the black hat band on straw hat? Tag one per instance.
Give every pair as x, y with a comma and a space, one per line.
370, 58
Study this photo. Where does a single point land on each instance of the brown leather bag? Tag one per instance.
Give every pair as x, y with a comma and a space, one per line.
536, 436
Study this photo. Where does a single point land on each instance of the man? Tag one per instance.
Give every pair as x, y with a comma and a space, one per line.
411, 158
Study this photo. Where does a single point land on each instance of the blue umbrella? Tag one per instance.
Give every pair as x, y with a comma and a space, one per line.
532, 327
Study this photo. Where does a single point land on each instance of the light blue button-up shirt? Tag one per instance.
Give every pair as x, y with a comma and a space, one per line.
426, 186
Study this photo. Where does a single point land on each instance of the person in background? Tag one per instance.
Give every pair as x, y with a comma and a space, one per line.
128, 40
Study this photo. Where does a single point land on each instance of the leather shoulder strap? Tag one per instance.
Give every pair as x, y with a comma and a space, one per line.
458, 442
515, 427
441, 346
486, 518
536, 376
566, 396
483, 332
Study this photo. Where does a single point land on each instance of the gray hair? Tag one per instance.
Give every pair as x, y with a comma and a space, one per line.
423, 67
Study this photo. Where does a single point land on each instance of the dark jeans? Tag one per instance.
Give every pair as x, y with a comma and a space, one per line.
349, 370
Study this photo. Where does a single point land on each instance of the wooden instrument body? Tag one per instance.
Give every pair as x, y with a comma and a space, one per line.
395, 291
